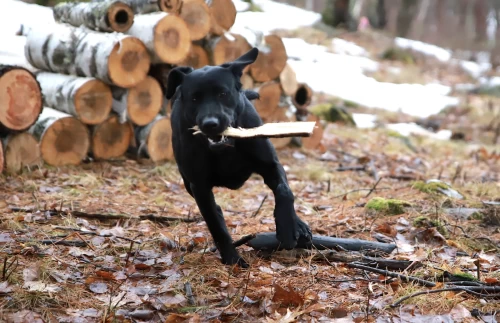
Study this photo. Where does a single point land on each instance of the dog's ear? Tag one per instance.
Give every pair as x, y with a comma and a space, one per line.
175, 78
243, 61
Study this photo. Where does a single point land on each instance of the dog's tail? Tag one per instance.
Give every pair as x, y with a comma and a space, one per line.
251, 95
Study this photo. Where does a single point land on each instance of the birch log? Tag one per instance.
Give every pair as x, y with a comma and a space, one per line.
111, 138
139, 104
148, 6
197, 57
63, 139
227, 48
302, 98
113, 58
85, 98
222, 15
288, 80
155, 139
166, 36
270, 94
196, 14
107, 16
20, 99
20, 150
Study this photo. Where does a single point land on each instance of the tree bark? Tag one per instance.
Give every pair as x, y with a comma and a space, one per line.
63, 139
113, 58
155, 140
21, 99
196, 14
139, 104
110, 139
222, 15
148, 6
107, 16
85, 98
166, 36
20, 150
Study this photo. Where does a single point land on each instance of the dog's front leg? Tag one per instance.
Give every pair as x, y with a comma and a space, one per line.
289, 227
212, 214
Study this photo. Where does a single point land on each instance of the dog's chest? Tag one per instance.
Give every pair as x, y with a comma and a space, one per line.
230, 169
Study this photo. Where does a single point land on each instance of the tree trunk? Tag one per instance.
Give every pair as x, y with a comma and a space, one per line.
196, 14
405, 17
20, 150
155, 140
20, 99
166, 36
270, 94
148, 6
85, 98
63, 139
139, 104
222, 15
110, 139
381, 15
227, 48
288, 80
197, 57
108, 16
341, 14
302, 98
111, 57
480, 16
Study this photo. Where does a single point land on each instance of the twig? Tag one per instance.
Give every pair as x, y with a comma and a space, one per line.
361, 190
260, 206
189, 293
374, 187
471, 290
405, 278
348, 168
69, 243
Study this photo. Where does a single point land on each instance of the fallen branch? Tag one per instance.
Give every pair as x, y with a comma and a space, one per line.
404, 278
268, 241
477, 291
238, 242
69, 243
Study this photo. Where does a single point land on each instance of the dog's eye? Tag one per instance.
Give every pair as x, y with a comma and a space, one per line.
222, 94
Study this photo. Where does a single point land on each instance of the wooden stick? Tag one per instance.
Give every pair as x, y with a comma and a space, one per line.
270, 130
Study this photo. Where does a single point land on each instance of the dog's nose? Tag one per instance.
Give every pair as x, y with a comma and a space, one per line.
210, 124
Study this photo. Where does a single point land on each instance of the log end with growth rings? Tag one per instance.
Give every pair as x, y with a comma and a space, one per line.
228, 48
197, 57
302, 96
170, 6
314, 141
172, 40
128, 63
93, 102
20, 98
159, 141
270, 94
65, 142
21, 150
196, 14
144, 101
271, 61
111, 138
120, 16
223, 15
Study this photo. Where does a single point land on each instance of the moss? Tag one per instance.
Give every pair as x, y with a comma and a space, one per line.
387, 206
398, 54
395, 134
429, 188
333, 113
423, 221
465, 276
476, 216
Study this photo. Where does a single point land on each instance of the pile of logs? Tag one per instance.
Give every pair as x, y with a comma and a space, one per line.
92, 83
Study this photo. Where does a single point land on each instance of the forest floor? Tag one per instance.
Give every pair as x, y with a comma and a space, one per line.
79, 244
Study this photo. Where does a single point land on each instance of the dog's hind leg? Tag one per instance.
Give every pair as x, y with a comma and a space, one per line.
214, 218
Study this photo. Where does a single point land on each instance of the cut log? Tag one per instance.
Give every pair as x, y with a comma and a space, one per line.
227, 48
20, 99
110, 57
222, 15
85, 98
246, 82
63, 139
302, 98
270, 94
288, 81
268, 241
271, 60
108, 16
314, 141
197, 57
20, 150
282, 114
111, 138
166, 36
196, 14
139, 104
148, 6
155, 140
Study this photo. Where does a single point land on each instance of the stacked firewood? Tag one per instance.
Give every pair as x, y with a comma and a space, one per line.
93, 82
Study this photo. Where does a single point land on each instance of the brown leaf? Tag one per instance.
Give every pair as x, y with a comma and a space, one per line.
387, 229
22, 317
142, 267
105, 274
287, 297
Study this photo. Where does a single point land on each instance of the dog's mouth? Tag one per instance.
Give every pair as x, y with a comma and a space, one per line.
217, 140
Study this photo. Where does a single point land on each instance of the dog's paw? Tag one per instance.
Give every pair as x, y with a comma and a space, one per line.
304, 231
235, 260
291, 231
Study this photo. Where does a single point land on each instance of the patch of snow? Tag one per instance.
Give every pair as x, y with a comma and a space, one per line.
407, 129
14, 13
241, 5
364, 120
441, 54
341, 46
474, 69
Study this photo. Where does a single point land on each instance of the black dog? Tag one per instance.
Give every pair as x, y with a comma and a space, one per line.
211, 98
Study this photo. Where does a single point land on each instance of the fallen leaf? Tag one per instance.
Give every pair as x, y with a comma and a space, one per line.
98, 288
287, 297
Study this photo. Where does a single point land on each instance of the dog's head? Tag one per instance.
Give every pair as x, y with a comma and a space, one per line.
210, 96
